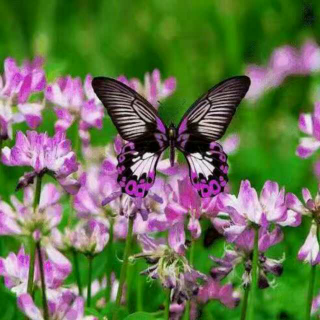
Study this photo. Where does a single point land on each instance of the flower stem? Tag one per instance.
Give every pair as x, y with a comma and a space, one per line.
109, 264
90, 260
254, 273
310, 291
167, 305
31, 266
37, 194
43, 283
124, 267
139, 291
32, 242
77, 148
245, 303
77, 270
188, 305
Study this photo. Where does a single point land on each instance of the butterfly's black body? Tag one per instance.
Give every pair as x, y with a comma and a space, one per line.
195, 136
172, 134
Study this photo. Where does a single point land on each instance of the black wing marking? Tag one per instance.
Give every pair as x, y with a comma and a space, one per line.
137, 168
208, 166
133, 115
208, 118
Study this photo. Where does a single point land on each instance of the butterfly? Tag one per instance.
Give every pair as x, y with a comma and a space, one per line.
138, 122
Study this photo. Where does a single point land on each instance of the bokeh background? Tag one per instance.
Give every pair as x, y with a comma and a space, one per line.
200, 43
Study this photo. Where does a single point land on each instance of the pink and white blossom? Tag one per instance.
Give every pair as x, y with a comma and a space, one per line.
310, 125
72, 102
16, 86
309, 252
66, 306
45, 155
248, 210
285, 61
15, 270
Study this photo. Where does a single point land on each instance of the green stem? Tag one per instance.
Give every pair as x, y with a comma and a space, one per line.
310, 291
167, 305
43, 283
77, 270
32, 242
139, 291
77, 148
109, 264
31, 265
37, 194
90, 260
254, 273
191, 258
245, 303
311, 283
124, 267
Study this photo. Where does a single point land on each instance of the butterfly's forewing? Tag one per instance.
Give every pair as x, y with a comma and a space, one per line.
205, 122
137, 122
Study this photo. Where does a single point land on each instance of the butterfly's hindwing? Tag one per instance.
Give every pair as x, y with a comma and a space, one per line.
137, 164
208, 166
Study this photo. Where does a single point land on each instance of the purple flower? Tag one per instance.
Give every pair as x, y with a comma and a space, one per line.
284, 61
91, 236
172, 269
15, 269
309, 252
153, 88
248, 210
22, 220
16, 86
309, 124
45, 155
223, 267
231, 143
65, 306
315, 304
213, 290
74, 102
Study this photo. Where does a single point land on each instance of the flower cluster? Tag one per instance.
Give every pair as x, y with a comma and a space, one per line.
285, 61
16, 86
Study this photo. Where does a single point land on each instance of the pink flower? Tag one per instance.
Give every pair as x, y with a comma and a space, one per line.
75, 102
15, 270
247, 210
22, 220
153, 88
16, 86
213, 290
285, 61
45, 155
232, 258
309, 124
90, 237
309, 252
172, 269
66, 306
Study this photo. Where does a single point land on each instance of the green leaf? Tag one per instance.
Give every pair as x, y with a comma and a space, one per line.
141, 316
92, 312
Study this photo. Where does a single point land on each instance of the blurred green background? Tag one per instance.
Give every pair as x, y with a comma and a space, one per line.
200, 43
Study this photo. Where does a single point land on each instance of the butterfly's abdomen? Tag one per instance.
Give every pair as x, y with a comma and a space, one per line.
172, 138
